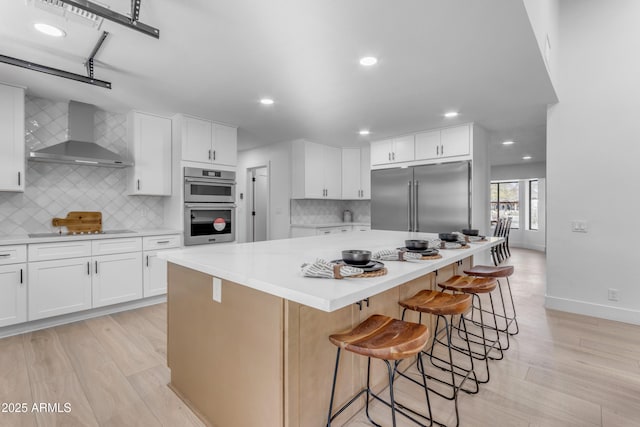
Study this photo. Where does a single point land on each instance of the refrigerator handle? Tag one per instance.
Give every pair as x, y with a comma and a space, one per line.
409, 222
416, 219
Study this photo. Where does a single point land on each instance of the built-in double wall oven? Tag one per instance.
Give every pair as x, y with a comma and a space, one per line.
209, 206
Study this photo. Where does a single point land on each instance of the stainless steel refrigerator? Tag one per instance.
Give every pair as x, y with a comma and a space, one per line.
430, 198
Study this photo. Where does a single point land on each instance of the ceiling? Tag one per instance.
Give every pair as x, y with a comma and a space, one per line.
215, 59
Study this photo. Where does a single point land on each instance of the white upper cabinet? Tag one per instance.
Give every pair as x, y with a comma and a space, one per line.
356, 173
149, 144
12, 161
316, 171
225, 145
206, 142
394, 150
444, 143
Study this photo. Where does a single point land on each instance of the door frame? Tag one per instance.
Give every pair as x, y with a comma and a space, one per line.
249, 193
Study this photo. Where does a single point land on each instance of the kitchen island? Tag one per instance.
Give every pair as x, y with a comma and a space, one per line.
247, 334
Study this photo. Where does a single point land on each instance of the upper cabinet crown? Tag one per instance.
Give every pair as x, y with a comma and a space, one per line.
12, 161
206, 142
316, 170
149, 144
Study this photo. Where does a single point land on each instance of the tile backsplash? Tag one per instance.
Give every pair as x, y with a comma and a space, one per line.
317, 211
52, 190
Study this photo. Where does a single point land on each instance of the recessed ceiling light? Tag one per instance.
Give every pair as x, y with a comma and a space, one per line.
368, 61
49, 30
508, 142
266, 101
526, 157
451, 114
364, 132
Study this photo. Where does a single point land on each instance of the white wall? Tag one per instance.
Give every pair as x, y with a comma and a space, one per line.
278, 158
543, 15
592, 160
520, 171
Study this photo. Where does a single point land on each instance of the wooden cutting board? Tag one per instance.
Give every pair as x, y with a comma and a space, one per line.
76, 222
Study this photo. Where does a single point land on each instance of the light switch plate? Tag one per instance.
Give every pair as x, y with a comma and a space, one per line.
217, 289
579, 226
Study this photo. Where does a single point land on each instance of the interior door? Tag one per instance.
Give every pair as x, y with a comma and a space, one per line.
390, 191
442, 197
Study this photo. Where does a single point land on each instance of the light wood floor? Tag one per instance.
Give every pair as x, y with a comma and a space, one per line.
561, 370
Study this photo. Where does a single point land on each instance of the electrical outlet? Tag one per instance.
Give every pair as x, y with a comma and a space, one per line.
613, 294
579, 226
217, 289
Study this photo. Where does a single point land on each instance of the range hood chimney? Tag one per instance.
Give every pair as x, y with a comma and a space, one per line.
80, 148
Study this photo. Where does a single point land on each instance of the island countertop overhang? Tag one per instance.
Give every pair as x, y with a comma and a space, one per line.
273, 266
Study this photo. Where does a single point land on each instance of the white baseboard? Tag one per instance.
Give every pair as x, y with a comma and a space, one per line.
35, 325
540, 248
594, 310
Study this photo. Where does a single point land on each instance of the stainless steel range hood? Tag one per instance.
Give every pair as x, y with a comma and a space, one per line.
80, 148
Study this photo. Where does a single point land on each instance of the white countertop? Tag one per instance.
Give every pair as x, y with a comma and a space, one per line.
330, 224
274, 266
21, 239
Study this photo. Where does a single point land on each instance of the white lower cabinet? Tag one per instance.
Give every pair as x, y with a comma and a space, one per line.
59, 287
154, 280
13, 294
116, 278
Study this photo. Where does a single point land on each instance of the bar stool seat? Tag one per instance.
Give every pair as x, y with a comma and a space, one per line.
500, 272
441, 305
490, 271
470, 284
382, 337
476, 286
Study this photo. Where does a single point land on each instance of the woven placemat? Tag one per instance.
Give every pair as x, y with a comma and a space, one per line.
378, 273
436, 256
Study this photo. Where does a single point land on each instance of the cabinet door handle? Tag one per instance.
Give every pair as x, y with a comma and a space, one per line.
147, 260
19, 179
214, 154
96, 267
138, 184
88, 269
163, 242
4, 255
389, 156
209, 154
21, 277
437, 150
442, 150
393, 155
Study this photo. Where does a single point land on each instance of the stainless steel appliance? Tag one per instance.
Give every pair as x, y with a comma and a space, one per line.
209, 223
209, 209
430, 198
209, 186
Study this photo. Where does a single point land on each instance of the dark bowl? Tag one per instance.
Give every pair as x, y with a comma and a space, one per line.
356, 256
470, 232
448, 237
416, 244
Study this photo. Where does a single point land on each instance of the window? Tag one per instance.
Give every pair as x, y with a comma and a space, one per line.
505, 202
533, 204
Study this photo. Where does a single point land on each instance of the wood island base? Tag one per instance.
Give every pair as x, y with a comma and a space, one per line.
254, 359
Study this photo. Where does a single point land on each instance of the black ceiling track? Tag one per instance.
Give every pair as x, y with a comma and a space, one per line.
94, 52
54, 71
130, 22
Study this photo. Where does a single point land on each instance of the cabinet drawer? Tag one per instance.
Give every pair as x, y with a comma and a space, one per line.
334, 230
13, 254
160, 242
116, 246
61, 250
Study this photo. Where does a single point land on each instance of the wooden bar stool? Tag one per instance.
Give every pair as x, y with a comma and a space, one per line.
442, 305
500, 272
475, 286
382, 337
